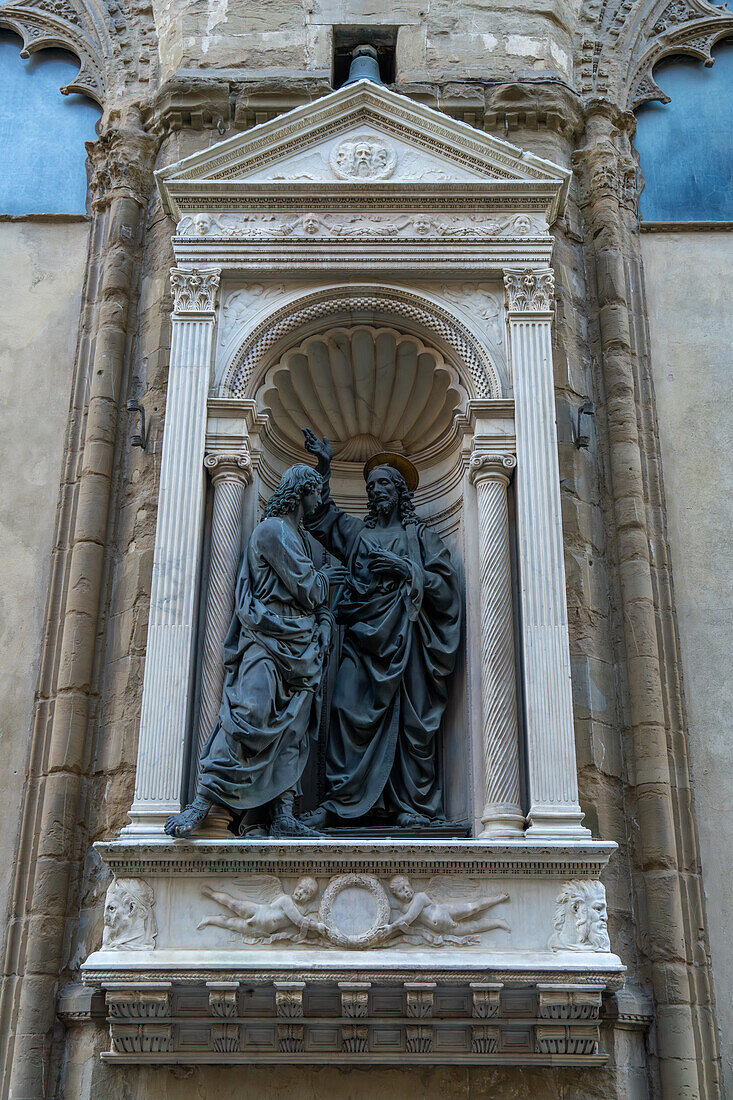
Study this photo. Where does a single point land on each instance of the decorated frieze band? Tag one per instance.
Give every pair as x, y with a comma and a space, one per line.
358, 911
359, 226
529, 291
194, 289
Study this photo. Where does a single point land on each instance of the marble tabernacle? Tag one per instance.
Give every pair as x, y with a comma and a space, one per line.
356, 834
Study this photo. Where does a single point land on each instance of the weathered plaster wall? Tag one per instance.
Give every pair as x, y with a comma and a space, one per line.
43, 266
687, 278
437, 39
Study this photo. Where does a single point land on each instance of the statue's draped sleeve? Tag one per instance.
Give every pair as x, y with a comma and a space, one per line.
336, 530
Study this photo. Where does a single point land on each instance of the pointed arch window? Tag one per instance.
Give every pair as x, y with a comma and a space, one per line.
42, 132
686, 146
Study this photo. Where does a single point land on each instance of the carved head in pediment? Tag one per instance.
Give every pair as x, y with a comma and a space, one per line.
581, 918
363, 157
129, 921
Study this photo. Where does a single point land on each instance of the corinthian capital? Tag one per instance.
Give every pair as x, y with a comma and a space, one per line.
194, 290
529, 291
230, 465
491, 466
122, 161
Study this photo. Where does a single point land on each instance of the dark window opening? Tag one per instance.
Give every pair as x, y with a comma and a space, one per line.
384, 41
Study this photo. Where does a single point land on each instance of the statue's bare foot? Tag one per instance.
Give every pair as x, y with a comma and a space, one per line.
188, 820
314, 819
286, 825
405, 820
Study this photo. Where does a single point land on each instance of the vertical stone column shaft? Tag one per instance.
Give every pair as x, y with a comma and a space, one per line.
552, 777
177, 557
666, 850
230, 473
502, 814
122, 160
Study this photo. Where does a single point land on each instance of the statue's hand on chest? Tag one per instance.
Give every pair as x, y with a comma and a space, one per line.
388, 570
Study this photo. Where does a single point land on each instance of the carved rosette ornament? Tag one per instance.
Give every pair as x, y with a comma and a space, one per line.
194, 290
529, 291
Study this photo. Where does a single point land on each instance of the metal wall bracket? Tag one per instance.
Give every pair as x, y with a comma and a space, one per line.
579, 440
141, 439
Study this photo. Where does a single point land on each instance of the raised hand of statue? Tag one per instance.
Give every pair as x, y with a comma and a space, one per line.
385, 563
321, 448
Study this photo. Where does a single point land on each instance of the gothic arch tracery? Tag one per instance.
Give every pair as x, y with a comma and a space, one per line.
620, 41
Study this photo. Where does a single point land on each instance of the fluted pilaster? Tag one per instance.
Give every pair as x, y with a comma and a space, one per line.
177, 558
502, 815
552, 776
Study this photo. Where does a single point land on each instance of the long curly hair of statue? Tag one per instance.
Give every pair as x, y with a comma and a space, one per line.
294, 483
405, 507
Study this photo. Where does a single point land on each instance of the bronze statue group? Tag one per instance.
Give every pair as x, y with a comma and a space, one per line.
396, 596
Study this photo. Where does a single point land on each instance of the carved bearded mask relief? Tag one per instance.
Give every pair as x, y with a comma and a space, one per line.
129, 922
365, 157
581, 918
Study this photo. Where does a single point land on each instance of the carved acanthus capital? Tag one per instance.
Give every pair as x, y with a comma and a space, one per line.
194, 290
122, 162
491, 466
529, 291
229, 466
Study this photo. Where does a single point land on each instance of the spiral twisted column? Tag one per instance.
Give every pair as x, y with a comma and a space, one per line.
230, 475
502, 815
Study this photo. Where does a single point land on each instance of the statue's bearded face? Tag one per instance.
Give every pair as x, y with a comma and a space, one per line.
591, 922
119, 907
381, 491
363, 155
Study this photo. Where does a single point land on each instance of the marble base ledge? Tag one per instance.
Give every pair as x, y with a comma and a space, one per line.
364, 951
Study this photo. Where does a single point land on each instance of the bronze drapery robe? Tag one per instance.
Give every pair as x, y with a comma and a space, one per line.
399, 645
273, 673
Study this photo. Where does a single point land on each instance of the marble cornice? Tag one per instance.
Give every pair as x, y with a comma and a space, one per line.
151, 856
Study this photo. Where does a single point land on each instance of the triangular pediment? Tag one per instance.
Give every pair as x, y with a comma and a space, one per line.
363, 136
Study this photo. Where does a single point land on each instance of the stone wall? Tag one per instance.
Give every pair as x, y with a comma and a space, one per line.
687, 276
436, 41
44, 263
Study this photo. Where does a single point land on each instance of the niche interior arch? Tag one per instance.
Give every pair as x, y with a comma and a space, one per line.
368, 305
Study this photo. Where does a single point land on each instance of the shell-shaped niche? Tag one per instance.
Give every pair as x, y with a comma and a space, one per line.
367, 389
